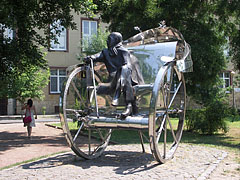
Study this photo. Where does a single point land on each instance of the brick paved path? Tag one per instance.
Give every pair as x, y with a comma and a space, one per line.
16, 147
124, 162
127, 162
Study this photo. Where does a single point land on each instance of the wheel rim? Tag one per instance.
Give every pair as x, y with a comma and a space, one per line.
86, 142
167, 113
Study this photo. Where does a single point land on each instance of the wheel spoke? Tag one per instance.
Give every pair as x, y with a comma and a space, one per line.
169, 82
103, 140
161, 128
147, 139
100, 134
168, 104
78, 94
76, 135
173, 134
175, 93
107, 135
75, 106
97, 148
165, 140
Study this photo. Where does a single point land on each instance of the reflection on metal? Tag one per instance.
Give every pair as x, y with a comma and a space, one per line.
95, 90
136, 122
163, 57
143, 89
151, 59
185, 64
159, 38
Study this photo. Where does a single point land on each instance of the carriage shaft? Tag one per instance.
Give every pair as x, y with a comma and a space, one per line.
131, 122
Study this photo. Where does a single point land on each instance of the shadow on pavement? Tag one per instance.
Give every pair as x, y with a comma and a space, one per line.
124, 162
10, 140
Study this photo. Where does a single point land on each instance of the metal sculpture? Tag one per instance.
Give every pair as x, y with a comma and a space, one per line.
163, 56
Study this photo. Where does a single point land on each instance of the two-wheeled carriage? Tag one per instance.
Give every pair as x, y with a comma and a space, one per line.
163, 57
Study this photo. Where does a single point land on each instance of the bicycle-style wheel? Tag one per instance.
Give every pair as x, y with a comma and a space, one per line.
167, 112
77, 103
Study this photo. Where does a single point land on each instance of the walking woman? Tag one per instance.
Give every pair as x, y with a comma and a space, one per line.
30, 111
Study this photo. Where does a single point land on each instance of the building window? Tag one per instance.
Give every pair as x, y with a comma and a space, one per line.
6, 32
88, 29
61, 44
56, 80
225, 77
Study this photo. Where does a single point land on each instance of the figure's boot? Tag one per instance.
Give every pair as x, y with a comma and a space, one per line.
127, 112
116, 97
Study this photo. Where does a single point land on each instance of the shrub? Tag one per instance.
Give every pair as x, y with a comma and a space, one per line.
208, 120
233, 114
44, 110
194, 119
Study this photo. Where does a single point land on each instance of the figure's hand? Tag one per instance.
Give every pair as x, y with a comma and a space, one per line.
87, 59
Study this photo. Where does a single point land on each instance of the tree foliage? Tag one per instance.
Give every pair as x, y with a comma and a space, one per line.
21, 57
229, 15
96, 43
28, 84
204, 24
207, 26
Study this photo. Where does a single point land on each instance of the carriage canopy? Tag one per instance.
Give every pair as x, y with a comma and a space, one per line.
155, 47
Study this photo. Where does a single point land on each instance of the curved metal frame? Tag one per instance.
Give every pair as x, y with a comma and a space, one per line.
153, 117
157, 120
154, 129
71, 139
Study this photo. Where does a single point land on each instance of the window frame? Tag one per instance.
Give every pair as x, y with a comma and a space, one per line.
66, 49
90, 20
58, 76
224, 78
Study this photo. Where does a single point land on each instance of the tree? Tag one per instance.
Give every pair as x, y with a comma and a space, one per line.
21, 57
206, 26
96, 43
29, 84
203, 24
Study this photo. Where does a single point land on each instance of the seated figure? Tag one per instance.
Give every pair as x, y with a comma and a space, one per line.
124, 73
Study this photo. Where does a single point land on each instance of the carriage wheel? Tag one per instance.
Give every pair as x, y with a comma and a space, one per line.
167, 113
77, 103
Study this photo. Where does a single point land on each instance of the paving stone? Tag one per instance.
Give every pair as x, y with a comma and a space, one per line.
128, 163
117, 162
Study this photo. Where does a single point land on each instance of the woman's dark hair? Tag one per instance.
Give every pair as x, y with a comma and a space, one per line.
30, 103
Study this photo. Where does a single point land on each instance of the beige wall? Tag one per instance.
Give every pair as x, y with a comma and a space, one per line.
59, 59
65, 59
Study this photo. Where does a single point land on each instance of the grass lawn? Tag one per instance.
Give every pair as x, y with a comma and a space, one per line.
229, 140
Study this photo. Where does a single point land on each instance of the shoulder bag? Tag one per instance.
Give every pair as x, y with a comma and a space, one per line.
27, 119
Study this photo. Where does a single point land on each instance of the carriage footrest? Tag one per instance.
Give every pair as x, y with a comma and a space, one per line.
133, 122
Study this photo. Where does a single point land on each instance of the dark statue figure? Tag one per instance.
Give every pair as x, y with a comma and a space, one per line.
124, 73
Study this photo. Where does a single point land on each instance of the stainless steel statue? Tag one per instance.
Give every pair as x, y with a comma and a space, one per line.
160, 56
124, 73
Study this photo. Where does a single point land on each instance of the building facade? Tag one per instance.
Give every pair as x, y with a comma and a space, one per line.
64, 54
60, 56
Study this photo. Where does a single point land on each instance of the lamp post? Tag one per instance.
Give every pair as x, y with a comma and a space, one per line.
233, 93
